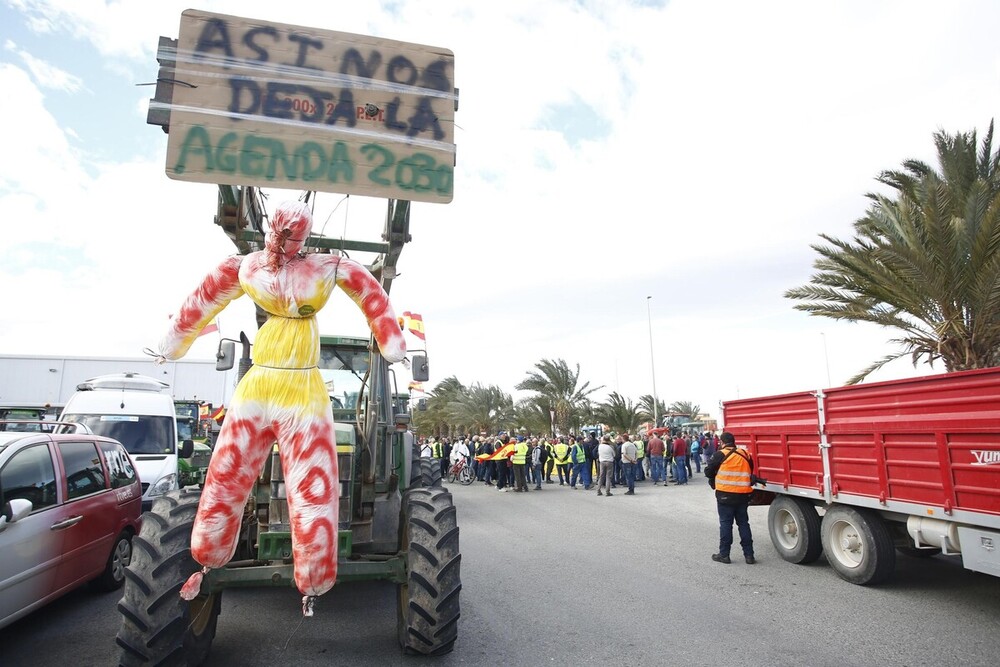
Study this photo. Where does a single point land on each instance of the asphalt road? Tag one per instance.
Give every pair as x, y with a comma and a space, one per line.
562, 577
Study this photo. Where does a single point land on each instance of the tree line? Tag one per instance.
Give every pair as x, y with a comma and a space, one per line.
559, 402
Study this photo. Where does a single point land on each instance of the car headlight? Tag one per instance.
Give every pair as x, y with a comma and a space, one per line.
164, 484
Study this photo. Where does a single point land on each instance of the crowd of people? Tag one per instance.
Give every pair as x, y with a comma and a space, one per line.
510, 462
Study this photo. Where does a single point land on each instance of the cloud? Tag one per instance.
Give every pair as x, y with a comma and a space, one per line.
46, 75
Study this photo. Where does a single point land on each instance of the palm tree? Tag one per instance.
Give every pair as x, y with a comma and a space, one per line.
685, 408
619, 413
646, 408
480, 408
555, 381
435, 420
533, 414
926, 263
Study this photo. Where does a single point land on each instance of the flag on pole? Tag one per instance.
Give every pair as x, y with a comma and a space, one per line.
417, 386
219, 414
203, 411
211, 327
415, 323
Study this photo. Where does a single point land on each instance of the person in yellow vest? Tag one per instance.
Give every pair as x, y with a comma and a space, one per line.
520, 461
729, 472
560, 453
549, 460
578, 455
640, 448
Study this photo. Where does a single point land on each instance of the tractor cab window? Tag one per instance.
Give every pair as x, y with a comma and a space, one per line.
343, 372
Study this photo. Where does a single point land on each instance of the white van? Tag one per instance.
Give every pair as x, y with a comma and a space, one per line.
137, 411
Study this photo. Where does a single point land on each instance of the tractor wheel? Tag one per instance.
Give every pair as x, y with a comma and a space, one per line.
158, 627
428, 610
430, 472
794, 527
416, 471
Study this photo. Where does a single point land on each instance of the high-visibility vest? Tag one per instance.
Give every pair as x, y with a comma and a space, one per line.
549, 449
580, 454
436, 451
562, 453
734, 473
520, 453
640, 449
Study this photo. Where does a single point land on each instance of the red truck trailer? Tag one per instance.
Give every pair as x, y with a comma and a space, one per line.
863, 471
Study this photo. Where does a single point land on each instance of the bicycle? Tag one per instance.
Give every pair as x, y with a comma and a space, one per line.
461, 471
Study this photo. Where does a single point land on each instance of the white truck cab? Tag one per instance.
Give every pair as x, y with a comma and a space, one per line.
137, 411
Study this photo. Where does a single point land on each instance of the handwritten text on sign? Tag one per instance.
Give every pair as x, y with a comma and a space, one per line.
291, 107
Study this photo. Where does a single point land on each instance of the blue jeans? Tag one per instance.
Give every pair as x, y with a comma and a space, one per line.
588, 473
656, 470
629, 469
696, 457
680, 469
727, 515
640, 475
536, 474
576, 473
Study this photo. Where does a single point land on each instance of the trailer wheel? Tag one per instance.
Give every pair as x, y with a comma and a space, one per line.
794, 527
428, 602
858, 545
158, 627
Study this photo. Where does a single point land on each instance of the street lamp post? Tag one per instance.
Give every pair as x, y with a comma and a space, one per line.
652, 365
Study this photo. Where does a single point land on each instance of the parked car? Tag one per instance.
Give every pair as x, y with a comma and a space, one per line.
70, 504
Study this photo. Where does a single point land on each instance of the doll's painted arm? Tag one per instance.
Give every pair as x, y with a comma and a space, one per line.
365, 291
218, 288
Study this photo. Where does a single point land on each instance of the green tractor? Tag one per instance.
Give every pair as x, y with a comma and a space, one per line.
397, 523
191, 471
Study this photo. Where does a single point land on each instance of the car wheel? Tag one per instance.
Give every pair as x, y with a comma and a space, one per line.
114, 571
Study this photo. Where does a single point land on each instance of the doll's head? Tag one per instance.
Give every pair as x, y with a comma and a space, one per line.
290, 227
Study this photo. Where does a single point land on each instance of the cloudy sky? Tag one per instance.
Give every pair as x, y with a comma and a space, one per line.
687, 151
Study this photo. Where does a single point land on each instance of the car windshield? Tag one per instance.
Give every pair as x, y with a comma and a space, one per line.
141, 434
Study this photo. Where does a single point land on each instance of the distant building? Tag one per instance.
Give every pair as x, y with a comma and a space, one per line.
38, 381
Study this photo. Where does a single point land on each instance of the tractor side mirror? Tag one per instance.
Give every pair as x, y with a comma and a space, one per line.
419, 368
422, 405
225, 358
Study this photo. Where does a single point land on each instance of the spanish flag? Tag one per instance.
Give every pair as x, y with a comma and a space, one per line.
415, 323
203, 411
499, 454
417, 386
219, 414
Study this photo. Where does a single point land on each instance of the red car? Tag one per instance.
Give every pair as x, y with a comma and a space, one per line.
69, 506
